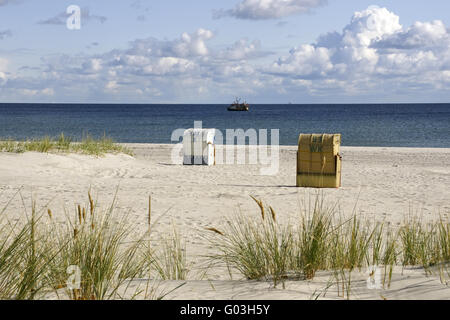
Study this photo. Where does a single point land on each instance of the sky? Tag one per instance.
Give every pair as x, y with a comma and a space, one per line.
210, 51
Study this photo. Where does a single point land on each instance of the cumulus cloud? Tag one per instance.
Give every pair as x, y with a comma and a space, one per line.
372, 55
86, 16
305, 62
419, 36
168, 65
188, 45
269, 9
149, 67
92, 66
193, 44
369, 25
160, 68
242, 49
373, 47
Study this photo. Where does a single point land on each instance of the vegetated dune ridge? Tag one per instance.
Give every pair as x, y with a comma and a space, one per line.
380, 184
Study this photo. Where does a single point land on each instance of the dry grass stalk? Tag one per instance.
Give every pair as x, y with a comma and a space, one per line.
260, 205
272, 212
91, 203
216, 231
79, 214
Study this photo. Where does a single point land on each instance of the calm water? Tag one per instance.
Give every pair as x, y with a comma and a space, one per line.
405, 125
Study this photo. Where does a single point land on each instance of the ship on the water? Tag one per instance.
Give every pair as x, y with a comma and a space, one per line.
238, 106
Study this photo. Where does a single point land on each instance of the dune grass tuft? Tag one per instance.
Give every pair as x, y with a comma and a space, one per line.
94, 254
87, 145
319, 240
169, 258
92, 247
258, 248
25, 253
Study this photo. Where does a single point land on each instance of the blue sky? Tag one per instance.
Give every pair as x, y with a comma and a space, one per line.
208, 51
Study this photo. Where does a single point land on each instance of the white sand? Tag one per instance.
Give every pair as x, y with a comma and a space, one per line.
381, 183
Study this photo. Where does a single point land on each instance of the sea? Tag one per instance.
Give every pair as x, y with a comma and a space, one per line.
382, 125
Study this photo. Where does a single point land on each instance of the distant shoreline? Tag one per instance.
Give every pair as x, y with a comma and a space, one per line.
406, 125
225, 103
287, 147
292, 147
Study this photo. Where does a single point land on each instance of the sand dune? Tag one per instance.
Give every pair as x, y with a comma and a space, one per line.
379, 183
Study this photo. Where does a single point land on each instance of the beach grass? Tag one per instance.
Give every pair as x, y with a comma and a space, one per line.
25, 253
90, 256
257, 248
63, 144
260, 248
94, 254
168, 259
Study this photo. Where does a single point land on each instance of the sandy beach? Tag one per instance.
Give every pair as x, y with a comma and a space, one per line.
377, 183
